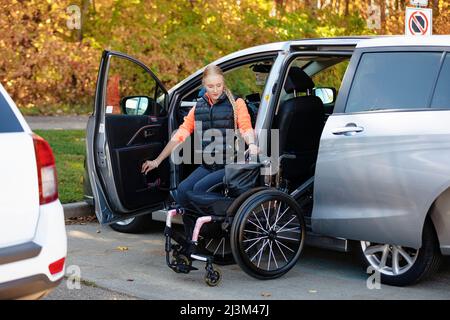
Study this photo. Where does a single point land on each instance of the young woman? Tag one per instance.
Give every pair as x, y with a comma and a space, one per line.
216, 109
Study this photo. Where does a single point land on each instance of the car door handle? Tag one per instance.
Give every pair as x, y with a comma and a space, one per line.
349, 129
149, 133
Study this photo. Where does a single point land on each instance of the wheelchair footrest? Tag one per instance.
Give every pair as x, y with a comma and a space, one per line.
200, 257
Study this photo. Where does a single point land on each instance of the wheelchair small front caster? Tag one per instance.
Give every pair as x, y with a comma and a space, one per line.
182, 264
213, 277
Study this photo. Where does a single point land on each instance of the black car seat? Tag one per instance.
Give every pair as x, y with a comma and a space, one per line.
300, 121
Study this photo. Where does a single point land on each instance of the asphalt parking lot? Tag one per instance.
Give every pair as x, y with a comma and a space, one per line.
125, 266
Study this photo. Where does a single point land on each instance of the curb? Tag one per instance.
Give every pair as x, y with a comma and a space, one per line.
77, 209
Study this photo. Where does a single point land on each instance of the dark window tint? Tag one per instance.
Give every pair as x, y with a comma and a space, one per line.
8, 120
441, 98
393, 80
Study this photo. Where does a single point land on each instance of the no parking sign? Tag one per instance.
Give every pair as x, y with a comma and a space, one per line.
418, 22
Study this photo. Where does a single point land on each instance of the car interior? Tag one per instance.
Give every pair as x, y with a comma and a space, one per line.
306, 101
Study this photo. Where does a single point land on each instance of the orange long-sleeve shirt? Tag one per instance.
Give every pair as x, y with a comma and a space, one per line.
244, 122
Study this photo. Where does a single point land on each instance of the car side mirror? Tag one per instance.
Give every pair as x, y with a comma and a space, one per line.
136, 105
327, 95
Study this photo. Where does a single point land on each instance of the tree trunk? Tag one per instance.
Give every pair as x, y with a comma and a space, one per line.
383, 16
84, 12
435, 8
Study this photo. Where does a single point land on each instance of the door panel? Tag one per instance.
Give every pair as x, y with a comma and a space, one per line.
129, 126
130, 146
378, 184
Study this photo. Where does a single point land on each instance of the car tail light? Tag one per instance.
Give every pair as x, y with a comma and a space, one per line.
48, 186
57, 266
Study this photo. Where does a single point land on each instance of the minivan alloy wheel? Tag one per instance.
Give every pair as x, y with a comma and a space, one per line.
125, 222
389, 259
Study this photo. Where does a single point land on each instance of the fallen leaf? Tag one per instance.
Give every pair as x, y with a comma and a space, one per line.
312, 291
98, 231
120, 248
266, 294
130, 280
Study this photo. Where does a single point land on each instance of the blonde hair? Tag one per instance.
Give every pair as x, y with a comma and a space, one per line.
212, 69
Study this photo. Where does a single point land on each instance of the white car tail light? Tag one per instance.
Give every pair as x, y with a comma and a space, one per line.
48, 186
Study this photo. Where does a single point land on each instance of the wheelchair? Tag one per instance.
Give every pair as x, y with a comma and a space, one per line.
262, 230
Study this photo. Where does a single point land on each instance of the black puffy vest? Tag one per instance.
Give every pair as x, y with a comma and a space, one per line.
220, 117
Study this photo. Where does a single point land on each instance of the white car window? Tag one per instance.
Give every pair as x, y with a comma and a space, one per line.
8, 120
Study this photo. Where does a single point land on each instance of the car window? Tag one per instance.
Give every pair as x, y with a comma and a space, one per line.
8, 120
332, 76
393, 80
441, 98
131, 90
249, 79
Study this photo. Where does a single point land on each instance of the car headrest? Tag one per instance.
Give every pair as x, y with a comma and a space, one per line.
298, 80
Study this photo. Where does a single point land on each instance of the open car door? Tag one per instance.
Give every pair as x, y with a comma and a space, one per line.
129, 125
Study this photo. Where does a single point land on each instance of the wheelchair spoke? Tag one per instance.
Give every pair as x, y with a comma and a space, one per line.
276, 221
265, 215
254, 244
257, 226
253, 239
295, 229
268, 216
262, 250
259, 222
282, 252
284, 245
271, 253
257, 232
262, 247
279, 230
222, 240
207, 245
286, 238
276, 218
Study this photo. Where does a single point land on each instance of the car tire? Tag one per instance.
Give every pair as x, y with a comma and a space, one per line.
137, 224
423, 262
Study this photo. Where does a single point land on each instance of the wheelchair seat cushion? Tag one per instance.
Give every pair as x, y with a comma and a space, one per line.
209, 203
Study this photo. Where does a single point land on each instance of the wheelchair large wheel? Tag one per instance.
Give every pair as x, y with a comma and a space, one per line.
267, 234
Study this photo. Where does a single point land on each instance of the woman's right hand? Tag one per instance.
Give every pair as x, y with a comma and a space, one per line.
149, 165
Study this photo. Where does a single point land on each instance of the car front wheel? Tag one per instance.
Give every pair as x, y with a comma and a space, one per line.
133, 225
402, 266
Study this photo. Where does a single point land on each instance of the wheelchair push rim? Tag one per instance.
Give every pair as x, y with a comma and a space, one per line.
268, 234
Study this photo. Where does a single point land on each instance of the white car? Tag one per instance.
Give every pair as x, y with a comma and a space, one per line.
33, 241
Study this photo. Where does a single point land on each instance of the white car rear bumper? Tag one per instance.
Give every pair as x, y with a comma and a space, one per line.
24, 269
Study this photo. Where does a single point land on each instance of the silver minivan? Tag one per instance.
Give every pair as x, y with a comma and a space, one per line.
366, 118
